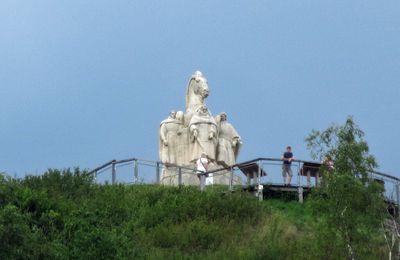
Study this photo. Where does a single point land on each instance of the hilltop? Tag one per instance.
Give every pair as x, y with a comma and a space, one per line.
65, 215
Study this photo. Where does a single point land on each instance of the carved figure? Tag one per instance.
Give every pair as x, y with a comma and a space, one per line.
168, 138
196, 93
185, 136
182, 144
228, 141
203, 129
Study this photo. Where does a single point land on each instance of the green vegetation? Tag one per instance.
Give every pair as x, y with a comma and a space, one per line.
350, 205
65, 215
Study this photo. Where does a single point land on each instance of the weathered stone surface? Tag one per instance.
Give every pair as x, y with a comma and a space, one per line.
170, 176
228, 142
196, 93
182, 141
185, 136
222, 177
203, 133
169, 138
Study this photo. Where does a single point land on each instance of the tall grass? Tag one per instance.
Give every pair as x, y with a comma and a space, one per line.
64, 215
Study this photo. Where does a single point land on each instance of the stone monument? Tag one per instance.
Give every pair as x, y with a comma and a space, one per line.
185, 136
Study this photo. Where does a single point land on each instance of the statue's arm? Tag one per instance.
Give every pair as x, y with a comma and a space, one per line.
163, 135
213, 131
235, 136
194, 131
235, 141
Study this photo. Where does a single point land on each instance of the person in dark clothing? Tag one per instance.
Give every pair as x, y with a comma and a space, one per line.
287, 173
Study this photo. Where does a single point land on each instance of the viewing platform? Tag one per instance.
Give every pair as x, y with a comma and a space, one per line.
261, 176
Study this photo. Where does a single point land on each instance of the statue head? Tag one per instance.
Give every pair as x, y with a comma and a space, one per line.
197, 90
223, 116
172, 114
201, 86
203, 90
179, 115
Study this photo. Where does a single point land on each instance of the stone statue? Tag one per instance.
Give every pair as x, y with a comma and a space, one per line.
168, 138
182, 145
185, 136
228, 141
196, 93
203, 130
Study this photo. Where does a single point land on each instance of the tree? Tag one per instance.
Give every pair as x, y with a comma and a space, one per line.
349, 204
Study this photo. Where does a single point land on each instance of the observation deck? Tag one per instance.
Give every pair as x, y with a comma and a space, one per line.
261, 176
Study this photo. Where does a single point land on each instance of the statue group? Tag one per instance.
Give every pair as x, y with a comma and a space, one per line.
185, 136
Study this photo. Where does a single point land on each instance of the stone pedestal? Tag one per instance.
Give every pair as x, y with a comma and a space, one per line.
170, 176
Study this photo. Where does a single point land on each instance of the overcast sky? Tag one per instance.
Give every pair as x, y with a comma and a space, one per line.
84, 82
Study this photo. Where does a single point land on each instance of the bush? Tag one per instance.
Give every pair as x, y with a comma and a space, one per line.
64, 215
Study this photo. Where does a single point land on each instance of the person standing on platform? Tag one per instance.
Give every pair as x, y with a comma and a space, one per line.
287, 173
328, 162
202, 167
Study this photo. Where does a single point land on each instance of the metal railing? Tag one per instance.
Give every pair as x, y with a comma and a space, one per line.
255, 173
135, 171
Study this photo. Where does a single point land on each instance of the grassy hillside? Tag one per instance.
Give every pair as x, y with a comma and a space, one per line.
64, 215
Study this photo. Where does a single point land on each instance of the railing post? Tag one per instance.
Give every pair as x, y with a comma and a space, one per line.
248, 179
158, 173
398, 199
299, 174
179, 176
231, 180
202, 181
300, 186
114, 173
136, 171
259, 190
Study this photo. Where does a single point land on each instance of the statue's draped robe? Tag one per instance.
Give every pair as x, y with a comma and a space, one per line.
227, 154
202, 144
169, 132
182, 147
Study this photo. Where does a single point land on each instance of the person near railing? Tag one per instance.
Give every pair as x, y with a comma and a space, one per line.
287, 173
317, 171
329, 166
328, 162
202, 167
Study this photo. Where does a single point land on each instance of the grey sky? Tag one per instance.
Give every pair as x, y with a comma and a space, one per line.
83, 82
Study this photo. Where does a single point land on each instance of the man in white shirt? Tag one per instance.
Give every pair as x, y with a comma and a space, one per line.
202, 167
